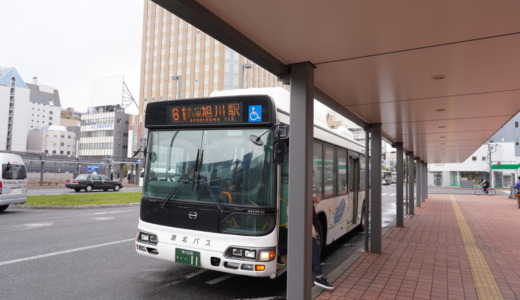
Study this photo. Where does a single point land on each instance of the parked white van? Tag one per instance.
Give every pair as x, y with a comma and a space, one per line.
13, 180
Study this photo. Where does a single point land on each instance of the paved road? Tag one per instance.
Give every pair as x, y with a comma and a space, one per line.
89, 254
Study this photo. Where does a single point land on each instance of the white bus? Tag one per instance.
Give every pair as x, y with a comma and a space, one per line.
13, 180
216, 182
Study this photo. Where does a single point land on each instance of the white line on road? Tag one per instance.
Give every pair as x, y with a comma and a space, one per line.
219, 279
196, 273
114, 212
8, 262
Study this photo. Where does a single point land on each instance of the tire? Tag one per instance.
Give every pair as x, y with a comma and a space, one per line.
104, 190
3, 207
88, 188
478, 192
492, 192
77, 189
116, 188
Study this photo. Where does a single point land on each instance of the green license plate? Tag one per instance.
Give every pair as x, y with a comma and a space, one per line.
187, 257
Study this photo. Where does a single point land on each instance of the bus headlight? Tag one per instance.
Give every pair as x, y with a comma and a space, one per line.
250, 254
147, 238
258, 254
266, 255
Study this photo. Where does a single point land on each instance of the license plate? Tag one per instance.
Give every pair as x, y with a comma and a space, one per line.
187, 257
16, 191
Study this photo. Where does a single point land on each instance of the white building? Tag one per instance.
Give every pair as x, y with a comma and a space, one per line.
53, 140
497, 159
14, 110
45, 106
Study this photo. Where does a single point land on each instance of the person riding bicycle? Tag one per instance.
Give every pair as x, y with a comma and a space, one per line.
485, 185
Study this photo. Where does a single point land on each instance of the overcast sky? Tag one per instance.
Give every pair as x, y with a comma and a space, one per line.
68, 43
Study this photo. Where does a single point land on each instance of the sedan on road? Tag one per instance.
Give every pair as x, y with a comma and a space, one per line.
89, 182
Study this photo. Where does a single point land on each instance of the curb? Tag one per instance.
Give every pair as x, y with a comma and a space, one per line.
73, 206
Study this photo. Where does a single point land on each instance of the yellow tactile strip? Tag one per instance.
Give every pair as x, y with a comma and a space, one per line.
485, 283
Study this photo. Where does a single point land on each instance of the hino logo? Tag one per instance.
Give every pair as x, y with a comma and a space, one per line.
192, 215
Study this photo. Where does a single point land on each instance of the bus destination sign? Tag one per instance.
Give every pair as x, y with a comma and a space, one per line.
204, 113
249, 110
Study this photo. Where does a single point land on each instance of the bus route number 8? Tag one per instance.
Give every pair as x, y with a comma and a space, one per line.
176, 114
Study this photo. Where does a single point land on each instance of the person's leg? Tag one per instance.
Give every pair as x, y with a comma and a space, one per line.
316, 261
319, 279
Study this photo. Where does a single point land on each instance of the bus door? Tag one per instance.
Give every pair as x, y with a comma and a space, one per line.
353, 185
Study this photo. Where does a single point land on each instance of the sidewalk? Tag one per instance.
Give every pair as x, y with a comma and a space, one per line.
455, 247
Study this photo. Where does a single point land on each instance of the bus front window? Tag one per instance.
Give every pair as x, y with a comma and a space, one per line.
210, 166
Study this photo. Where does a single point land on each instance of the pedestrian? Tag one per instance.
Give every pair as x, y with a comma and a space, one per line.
319, 278
517, 188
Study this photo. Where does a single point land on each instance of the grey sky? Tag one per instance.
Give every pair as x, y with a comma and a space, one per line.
67, 43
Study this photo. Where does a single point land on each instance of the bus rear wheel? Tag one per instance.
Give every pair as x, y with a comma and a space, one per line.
3, 207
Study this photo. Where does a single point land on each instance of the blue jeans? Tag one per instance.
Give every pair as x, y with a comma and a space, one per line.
316, 260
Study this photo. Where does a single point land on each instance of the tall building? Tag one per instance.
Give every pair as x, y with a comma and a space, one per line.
181, 61
45, 106
14, 110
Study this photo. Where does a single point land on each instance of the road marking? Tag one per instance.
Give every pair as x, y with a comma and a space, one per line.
485, 283
196, 273
219, 279
8, 262
114, 212
102, 218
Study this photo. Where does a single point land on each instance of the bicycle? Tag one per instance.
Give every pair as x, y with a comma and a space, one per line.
480, 191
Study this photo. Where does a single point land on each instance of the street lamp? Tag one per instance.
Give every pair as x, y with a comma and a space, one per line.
243, 73
179, 87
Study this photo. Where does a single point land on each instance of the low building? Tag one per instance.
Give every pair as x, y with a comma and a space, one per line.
494, 161
104, 132
53, 140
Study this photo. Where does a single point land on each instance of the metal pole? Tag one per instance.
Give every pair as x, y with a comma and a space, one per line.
419, 183
243, 74
376, 219
367, 187
179, 85
399, 214
299, 272
411, 183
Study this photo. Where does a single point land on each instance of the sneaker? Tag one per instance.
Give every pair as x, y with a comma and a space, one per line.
322, 281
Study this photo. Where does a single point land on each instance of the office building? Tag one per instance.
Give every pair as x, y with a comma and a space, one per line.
45, 106
14, 110
104, 132
181, 61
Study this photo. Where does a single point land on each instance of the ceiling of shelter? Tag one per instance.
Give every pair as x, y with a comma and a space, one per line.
440, 76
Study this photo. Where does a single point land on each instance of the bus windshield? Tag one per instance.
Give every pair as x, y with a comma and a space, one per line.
221, 166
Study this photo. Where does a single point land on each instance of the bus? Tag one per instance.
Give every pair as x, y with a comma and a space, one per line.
215, 191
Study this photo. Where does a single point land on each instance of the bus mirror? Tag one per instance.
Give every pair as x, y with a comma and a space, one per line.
279, 149
282, 131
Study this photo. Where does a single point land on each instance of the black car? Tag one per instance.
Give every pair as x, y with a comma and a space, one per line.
89, 182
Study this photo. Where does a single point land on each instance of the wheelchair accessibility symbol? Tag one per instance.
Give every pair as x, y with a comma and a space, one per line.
255, 113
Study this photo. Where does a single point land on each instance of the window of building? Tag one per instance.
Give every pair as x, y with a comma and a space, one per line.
474, 158
516, 124
483, 158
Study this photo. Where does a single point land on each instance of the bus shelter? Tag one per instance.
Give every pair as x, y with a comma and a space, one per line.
435, 79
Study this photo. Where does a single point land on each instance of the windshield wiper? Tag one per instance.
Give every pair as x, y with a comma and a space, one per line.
190, 178
205, 182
